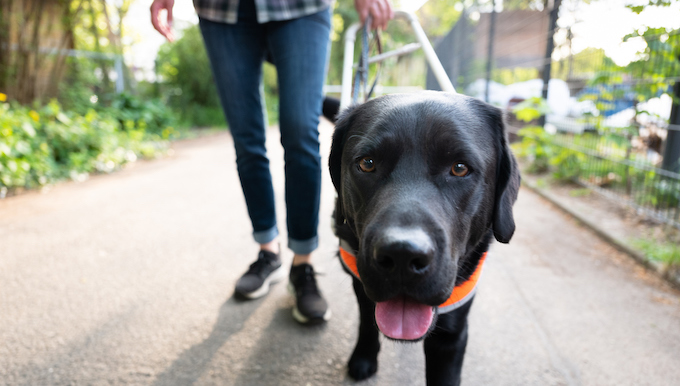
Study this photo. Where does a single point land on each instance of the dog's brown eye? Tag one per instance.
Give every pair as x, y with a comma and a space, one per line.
460, 170
366, 165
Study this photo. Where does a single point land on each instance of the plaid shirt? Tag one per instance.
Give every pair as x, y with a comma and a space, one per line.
226, 11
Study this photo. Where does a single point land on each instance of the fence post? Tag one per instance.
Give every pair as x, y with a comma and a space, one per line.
671, 153
489, 59
120, 79
549, 47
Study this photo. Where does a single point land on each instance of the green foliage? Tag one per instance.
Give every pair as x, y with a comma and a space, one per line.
658, 64
184, 64
531, 108
199, 116
585, 64
653, 73
580, 192
546, 152
540, 148
567, 164
569, 158
536, 145
660, 193
43, 145
513, 75
187, 81
189, 87
665, 252
271, 92
439, 16
96, 28
543, 155
638, 8
80, 84
536, 148
150, 116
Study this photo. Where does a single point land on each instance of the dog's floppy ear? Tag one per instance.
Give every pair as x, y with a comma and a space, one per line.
507, 182
342, 125
344, 122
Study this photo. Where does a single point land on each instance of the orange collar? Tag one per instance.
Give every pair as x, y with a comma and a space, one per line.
459, 296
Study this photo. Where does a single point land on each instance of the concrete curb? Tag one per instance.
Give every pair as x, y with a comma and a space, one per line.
621, 245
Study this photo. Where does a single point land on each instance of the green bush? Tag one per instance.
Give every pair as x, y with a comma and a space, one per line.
536, 147
43, 145
195, 115
150, 116
187, 80
567, 164
540, 148
80, 89
189, 87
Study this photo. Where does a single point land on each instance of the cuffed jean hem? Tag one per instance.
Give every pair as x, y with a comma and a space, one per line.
304, 247
263, 237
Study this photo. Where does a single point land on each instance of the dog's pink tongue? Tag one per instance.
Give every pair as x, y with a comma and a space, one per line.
403, 318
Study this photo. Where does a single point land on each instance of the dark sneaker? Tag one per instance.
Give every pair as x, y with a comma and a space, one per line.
310, 307
265, 271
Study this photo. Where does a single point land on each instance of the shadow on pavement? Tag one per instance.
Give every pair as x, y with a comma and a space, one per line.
285, 351
191, 364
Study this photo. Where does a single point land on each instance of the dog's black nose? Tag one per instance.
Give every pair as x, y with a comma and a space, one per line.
408, 252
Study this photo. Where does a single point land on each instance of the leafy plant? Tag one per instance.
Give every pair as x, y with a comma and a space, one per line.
536, 145
667, 253
660, 193
187, 81
46, 144
530, 109
567, 164
536, 148
150, 116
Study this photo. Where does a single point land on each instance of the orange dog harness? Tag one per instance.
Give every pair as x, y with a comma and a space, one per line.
460, 295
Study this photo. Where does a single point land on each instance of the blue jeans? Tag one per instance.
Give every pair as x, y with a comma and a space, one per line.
298, 49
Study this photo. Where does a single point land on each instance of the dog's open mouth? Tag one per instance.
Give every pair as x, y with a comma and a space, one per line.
403, 318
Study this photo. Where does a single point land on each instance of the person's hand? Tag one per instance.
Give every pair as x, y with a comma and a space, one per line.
380, 11
163, 26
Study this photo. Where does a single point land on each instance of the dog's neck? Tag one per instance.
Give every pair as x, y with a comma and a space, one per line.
463, 291
467, 264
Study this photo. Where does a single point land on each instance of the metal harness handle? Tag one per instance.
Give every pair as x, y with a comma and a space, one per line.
361, 76
423, 43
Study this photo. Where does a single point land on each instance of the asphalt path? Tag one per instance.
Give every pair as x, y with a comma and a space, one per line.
127, 279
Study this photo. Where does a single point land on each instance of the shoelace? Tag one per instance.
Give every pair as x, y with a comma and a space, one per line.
306, 283
259, 265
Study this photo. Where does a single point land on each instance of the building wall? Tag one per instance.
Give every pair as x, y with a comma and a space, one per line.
519, 38
519, 41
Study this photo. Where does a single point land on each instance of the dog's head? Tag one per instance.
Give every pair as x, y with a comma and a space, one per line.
423, 180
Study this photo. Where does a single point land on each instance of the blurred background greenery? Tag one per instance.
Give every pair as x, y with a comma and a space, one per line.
71, 103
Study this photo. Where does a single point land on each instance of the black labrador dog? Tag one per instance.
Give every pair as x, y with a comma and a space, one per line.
424, 182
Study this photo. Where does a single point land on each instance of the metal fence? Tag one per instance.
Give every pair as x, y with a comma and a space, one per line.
623, 172
619, 134
611, 128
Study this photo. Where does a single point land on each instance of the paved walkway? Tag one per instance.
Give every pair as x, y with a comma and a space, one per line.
128, 279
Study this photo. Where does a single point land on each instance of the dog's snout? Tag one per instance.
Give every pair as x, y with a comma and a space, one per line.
402, 256
408, 252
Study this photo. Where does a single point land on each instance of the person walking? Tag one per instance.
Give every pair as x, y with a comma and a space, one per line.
294, 35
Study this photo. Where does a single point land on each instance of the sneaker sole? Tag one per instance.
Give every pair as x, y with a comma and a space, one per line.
297, 315
273, 278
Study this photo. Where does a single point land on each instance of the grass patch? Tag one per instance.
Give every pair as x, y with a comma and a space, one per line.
665, 252
580, 192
